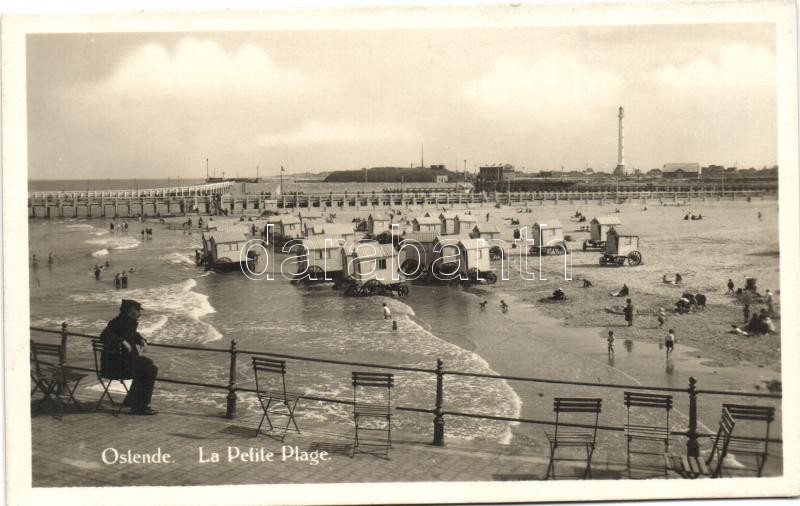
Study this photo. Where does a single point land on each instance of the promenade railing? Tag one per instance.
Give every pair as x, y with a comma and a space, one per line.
438, 411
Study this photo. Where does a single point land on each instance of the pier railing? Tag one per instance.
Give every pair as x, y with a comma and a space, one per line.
438, 411
198, 189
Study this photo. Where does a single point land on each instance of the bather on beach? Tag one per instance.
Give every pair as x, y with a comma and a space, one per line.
622, 292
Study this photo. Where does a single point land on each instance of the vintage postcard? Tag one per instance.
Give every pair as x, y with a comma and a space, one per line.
401, 254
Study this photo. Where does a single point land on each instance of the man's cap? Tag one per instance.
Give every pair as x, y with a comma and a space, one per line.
126, 303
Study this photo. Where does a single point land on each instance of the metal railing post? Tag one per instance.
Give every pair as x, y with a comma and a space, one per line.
438, 416
692, 447
63, 358
230, 411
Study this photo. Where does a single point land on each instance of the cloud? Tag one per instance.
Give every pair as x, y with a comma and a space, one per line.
736, 66
548, 87
317, 132
198, 66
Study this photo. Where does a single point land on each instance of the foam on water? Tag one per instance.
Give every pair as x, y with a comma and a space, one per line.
470, 361
157, 325
174, 310
411, 345
115, 242
72, 320
100, 253
82, 226
178, 258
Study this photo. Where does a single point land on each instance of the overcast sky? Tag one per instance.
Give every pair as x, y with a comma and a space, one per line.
158, 105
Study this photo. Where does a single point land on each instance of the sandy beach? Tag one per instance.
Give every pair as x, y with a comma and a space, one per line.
730, 242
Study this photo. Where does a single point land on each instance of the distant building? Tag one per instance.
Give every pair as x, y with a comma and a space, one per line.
491, 173
713, 171
654, 173
440, 178
438, 167
494, 177
681, 170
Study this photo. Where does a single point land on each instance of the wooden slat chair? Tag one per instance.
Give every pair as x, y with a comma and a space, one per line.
98, 349
372, 409
695, 467
270, 376
52, 377
741, 446
561, 437
647, 432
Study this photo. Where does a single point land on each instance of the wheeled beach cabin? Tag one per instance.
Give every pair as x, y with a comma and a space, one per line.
223, 251
474, 256
322, 256
621, 245
378, 223
621, 241
462, 259
600, 226
426, 224
547, 233
485, 231
464, 223
290, 227
489, 232
418, 250
448, 223
447, 254
369, 260
343, 230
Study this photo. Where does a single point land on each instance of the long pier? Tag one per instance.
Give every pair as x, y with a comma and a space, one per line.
217, 198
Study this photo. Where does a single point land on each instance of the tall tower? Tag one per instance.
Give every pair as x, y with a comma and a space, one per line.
620, 169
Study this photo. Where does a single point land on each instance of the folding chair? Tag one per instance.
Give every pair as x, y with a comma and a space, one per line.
111, 374
372, 408
53, 379
270, 376
695, 467
741, 446
561, 438
647, 432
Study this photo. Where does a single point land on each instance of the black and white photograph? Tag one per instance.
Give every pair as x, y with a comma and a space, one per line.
401, 255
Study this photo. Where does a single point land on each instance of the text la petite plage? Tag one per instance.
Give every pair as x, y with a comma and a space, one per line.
112, 456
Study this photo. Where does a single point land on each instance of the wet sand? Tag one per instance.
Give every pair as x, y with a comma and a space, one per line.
729, 243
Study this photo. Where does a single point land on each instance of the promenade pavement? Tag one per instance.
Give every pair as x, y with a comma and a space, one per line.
70, 452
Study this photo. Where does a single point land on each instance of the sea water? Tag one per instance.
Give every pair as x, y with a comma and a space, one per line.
187, 305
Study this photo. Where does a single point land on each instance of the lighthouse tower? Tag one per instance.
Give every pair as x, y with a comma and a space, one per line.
620, 170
